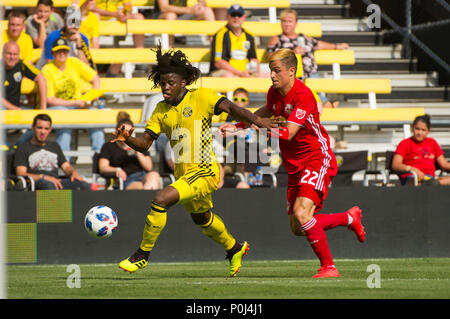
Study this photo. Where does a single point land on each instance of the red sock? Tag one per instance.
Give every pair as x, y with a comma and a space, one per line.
318, 241
329, 221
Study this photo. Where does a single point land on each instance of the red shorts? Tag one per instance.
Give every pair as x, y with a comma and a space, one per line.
312, 182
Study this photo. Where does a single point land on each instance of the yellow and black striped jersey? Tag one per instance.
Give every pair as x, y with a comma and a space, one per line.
237, 50
188, 127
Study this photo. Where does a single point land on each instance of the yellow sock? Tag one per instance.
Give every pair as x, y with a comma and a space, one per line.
154, 224
216, 230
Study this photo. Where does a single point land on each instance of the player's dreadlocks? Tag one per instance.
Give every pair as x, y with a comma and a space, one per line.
172, 62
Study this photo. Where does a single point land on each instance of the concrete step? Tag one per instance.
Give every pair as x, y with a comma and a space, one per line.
397, 80
407, 94
353, 37
306, 9
377, 52
384, 65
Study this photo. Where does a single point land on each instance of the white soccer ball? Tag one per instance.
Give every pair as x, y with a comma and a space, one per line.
101, 221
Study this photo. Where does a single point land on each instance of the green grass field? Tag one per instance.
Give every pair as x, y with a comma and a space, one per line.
399, 278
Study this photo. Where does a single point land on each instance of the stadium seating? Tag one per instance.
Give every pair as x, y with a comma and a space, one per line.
378, 90
192, 27
86, 118
356, 86
80, 118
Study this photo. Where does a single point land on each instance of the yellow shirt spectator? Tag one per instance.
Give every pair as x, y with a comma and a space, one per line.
90, 27
67, 84
112, 6
25, 44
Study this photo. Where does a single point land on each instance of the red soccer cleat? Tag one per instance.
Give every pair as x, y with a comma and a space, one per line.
356, 226
327, 272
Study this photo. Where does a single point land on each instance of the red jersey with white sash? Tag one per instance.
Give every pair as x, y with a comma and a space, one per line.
308, 155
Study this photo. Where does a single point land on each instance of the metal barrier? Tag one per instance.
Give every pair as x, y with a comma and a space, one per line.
408, 29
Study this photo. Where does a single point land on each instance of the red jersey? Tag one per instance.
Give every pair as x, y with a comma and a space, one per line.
421, 155
299, 106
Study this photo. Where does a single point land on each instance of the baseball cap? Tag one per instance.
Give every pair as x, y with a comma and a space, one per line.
60, 44
236, 9
73, 16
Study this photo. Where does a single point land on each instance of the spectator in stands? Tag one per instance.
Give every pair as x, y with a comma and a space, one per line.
16, 32
233, 49
121, 10
420, 154
78, 42
90, 25
64, 75
240, 98
303, 45
40, 159
178, 9
135, 168
14, 70
43, 22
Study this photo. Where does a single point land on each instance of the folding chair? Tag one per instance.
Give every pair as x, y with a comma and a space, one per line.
112, 181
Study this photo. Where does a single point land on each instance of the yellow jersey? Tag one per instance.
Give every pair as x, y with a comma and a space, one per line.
25, 44
67, 84
90, 26
111, 5
237, 50
188, 127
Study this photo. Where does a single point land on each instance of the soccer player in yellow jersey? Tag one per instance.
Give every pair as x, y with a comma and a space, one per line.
185, 117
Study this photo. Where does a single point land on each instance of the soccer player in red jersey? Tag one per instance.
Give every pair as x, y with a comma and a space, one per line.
307, 157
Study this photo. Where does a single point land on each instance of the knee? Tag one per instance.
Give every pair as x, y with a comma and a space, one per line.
160, 199
44, 185
166, 197
152, 175
303, 212
297, 231
201, 218
169, 16
302, 216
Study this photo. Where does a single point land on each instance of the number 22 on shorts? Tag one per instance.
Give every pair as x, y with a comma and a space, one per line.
309, 177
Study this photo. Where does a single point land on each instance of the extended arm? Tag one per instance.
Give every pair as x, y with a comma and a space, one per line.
443, 163
42, 87
398, 165
245, 115
140, 144
287, 132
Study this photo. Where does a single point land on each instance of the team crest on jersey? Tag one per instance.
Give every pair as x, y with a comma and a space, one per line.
288, 108
187, 112
17, 76
299, 114
247, 45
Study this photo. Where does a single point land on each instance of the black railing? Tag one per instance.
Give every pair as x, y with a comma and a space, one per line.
407, 32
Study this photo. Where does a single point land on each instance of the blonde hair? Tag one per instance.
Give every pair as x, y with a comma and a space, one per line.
286, 12
286, 56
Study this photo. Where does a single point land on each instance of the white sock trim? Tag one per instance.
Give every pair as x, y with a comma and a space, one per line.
350, 220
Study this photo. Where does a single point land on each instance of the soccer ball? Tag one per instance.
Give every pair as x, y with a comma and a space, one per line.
100, 221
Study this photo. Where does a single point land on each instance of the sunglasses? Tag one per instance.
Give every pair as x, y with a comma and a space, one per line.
240, 99
236, 15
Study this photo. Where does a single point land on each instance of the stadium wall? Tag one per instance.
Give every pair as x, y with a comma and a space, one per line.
47, 227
